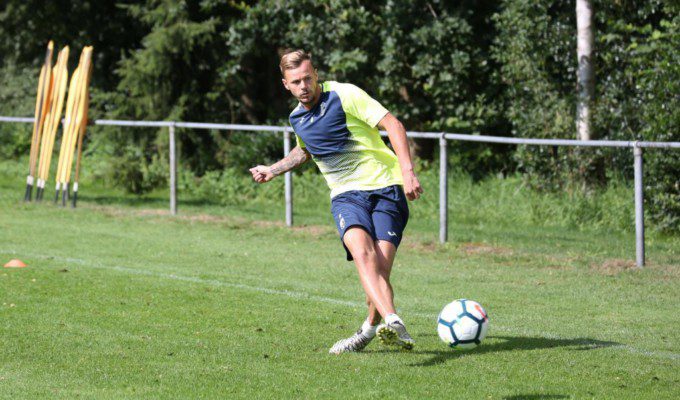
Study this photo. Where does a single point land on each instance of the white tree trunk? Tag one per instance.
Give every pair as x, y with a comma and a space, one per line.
585, 75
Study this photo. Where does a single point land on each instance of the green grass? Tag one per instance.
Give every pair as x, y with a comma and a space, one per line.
122, 301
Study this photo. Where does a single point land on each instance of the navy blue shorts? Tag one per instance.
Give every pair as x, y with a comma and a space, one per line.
383, 213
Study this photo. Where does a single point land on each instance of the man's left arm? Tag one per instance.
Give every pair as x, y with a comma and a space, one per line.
397, 135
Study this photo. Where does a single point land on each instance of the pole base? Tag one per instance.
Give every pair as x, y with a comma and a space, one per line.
29, 192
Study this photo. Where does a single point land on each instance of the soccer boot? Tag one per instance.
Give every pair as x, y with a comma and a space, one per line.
395, 334
354, 343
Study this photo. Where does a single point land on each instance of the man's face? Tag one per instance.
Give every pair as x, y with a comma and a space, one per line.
302, 83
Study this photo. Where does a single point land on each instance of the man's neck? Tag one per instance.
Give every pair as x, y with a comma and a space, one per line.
317, 97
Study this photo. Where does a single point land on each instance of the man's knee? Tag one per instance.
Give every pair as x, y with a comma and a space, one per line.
366, 255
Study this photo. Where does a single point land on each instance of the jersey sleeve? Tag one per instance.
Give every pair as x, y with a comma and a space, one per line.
299, 142
358, 103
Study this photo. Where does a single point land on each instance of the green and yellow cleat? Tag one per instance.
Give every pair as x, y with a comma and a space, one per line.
395, 334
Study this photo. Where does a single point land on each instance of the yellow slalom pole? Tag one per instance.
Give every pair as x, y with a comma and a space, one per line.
71, 127
74, 120
41, 104
60, 75
71, 104
83, 128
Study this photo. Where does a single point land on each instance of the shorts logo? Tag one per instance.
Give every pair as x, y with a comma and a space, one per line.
391, 233
342, 221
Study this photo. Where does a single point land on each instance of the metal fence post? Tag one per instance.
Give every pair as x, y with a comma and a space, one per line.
443, 191
173, 171
639, 208
288, 178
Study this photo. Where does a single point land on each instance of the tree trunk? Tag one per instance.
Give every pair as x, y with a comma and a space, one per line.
585, 76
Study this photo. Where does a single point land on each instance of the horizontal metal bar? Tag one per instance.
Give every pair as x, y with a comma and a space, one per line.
419, 135
145, 124
422, 135
559, 142
16, 119
234, 127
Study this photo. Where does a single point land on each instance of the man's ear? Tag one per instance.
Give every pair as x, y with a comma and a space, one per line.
285, 84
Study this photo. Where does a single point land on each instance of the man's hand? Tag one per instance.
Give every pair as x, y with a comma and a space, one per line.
397, 135
294, 159
412, 188
262, 174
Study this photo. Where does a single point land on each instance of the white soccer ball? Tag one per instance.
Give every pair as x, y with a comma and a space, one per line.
462, 324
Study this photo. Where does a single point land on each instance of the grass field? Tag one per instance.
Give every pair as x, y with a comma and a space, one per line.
121, 300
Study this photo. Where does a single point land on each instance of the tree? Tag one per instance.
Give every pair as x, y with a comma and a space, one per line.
586, 79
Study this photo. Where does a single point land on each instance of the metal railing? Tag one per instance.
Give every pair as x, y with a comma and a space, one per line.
443, 138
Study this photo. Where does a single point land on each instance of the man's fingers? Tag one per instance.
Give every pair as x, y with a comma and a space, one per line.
259, 174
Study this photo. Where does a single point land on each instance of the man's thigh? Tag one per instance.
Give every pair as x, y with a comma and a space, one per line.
352, 210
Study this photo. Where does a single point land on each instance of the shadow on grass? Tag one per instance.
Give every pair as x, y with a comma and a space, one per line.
512, 343
536, 396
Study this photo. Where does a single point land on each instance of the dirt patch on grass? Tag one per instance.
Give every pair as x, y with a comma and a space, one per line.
314, 230
153, 212
421, 246
617, 266
614, 266
472, 248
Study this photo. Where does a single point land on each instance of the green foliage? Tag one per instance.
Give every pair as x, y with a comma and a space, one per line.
638, 99
535, 49
494, 200
17, 98
27, 25
504, 68
637, 75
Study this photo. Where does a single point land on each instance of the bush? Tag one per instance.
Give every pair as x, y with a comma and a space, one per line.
637, 85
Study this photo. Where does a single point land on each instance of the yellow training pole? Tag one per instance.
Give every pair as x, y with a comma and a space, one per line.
74, 120
71, 104
82, 130
60, 75
41, 103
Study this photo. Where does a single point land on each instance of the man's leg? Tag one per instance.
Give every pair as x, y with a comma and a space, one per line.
377, 287
386, 253
370, 262
365, 260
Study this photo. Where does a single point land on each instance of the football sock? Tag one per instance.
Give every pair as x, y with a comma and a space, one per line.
391, 318
367, 329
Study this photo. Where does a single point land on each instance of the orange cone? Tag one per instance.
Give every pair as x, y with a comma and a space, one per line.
15, 263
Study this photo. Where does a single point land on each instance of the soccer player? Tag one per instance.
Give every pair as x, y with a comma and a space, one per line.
336, 126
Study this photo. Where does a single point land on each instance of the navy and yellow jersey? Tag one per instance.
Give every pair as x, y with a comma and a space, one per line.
341, 135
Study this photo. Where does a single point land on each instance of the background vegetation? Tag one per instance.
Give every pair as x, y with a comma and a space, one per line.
492, 67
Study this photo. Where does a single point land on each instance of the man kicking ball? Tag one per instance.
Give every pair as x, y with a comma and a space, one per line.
336, 125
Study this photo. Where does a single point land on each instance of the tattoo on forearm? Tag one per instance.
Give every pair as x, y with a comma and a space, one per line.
295, 158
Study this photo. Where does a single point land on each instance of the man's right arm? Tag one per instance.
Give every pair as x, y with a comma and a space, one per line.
294, 159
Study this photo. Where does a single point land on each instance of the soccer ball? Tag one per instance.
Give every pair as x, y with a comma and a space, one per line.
462, 324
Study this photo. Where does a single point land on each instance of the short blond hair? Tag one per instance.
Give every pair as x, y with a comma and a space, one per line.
292, 59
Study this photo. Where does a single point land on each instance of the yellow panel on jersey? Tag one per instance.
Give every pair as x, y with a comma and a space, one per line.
341, 135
